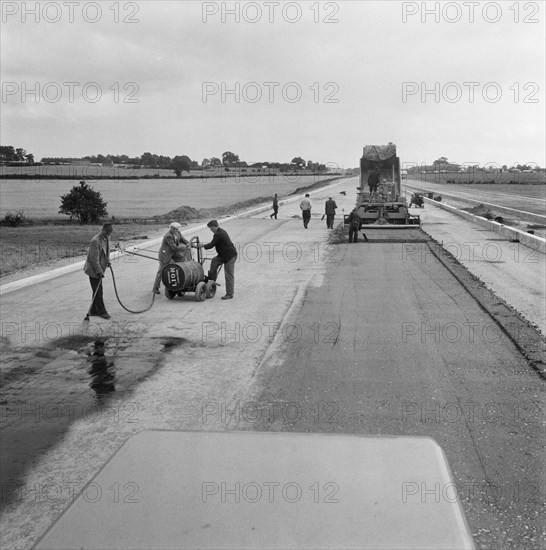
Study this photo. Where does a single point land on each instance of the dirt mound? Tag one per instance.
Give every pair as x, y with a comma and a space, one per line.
188, 213
182, 213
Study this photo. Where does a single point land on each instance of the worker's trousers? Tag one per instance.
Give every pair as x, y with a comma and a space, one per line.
229, 271
353, 232
157, 282
97, 307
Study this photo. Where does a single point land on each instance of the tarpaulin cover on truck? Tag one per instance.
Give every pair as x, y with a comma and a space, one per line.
379, 152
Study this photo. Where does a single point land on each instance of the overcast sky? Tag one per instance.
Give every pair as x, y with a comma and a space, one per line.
165, 70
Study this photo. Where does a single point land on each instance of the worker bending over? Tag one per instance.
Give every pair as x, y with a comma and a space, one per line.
173, 249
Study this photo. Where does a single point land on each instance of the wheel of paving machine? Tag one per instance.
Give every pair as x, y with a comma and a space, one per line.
169, 294
200, 292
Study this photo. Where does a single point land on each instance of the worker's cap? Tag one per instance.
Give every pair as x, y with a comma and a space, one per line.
212, 223
329, 198
307, 194
175, 225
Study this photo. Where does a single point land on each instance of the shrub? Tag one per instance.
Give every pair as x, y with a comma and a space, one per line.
14, 220
83, 203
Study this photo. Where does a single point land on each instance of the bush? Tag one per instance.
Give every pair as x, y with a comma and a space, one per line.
14, 220
83, 203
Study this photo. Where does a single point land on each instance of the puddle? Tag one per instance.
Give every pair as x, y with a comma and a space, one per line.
102, 371
49, 389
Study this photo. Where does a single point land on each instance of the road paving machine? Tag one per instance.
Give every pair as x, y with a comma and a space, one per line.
383, 206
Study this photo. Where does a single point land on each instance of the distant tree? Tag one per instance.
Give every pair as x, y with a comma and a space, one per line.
147, 159
215, 161
229, 158
83, 203
10, 154
7, 152
20, 154
29, 158
163, 162
440, 162
205, 162
299, 162
181, 164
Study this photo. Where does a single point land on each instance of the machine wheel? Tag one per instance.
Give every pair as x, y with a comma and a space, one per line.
169, 294
181, 293
211, 289
200, 292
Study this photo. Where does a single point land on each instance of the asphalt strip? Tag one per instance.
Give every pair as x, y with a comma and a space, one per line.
523, 334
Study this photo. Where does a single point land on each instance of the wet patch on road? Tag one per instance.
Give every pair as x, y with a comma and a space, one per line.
44, 391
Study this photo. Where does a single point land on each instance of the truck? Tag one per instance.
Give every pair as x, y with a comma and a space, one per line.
385, 206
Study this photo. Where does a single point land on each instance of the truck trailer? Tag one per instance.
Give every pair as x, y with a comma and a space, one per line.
382, 205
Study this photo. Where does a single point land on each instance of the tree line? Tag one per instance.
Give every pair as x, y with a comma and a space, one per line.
9, 154
178, 163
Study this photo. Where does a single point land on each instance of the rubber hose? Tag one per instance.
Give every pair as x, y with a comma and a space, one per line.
121, 304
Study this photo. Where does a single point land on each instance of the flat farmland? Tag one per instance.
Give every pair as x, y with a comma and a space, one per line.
142, 198
479, 177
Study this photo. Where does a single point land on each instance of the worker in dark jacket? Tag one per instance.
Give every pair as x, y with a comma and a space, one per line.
373, 180
98, 259
226, 254
174, 248
275, 207
330, 211
354, 225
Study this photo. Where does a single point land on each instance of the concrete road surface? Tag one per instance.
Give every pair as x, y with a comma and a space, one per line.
360, 338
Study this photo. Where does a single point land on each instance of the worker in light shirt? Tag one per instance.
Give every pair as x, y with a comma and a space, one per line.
305, 206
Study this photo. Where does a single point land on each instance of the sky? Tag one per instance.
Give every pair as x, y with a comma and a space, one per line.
270, 81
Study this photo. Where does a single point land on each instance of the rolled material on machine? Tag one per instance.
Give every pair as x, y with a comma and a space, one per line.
182, 275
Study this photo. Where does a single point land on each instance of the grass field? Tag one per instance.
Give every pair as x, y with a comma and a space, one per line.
147, 197
480, 177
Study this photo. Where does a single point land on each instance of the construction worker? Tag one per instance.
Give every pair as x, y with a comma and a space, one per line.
98, 259
226, 255
174, 248
373, 180
330, 211
354, 225
275, 207
305, 206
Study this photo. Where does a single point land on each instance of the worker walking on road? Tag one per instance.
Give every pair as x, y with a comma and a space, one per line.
275, 207
174, 248
305, 206
96, 262
330, 211
226, 255
354, 225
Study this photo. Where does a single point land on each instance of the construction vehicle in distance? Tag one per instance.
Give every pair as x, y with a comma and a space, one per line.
384, 207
